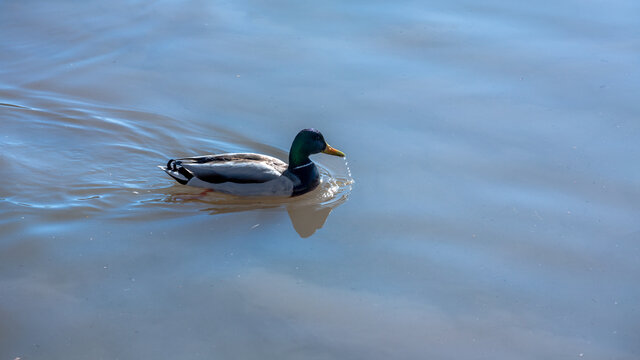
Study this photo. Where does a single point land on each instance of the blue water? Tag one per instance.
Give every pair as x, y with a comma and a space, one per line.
489, 208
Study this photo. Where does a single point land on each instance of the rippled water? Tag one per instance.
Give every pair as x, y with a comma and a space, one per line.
488, 209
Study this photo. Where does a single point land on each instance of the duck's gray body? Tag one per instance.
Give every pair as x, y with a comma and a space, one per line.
245, 174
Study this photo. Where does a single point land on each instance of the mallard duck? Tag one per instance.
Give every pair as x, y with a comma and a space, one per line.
250, 174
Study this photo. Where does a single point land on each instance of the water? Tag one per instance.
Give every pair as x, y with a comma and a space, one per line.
494, 213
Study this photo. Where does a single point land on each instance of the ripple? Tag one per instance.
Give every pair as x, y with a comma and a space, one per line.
13, 106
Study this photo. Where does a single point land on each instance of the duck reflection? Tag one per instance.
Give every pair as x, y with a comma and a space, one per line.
306, 219
308, 213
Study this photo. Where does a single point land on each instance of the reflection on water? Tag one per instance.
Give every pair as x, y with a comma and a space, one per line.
306, 219
494, 144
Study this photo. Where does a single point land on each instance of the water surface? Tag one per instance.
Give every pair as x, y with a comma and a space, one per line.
494, 149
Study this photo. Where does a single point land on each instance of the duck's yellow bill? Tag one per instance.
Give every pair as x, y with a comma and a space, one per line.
332, 151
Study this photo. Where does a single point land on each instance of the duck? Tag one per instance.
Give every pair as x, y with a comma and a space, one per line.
250, 174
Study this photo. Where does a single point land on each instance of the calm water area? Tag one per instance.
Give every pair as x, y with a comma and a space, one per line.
488, 207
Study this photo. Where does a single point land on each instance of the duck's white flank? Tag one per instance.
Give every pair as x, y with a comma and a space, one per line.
280, 186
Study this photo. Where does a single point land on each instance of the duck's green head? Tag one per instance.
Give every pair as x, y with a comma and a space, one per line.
308, 142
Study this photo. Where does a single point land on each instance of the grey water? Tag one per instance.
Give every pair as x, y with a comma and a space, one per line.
489, 209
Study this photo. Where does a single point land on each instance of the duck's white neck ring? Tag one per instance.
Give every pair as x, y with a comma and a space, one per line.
301, 166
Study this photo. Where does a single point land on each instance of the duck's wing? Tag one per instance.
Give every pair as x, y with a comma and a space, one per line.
241, 168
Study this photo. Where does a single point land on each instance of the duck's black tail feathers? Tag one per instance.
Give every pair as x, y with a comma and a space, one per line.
175, 169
